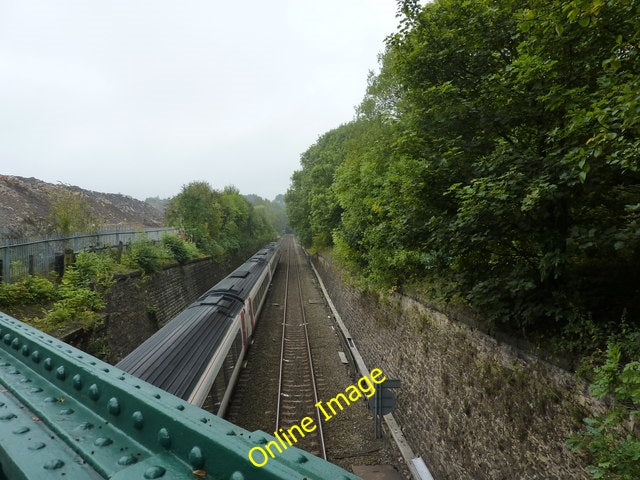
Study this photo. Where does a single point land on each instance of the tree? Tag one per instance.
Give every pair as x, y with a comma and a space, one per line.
496, 154
220, 223
71, 212
197, 209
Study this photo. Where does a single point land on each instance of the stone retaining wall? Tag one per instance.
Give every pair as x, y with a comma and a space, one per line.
137, 305
472, 407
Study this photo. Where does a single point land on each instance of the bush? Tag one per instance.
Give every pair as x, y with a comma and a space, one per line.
12, 293
39, 288
181, 250
94, 268
76, 301
613, 446
30, 289
146, 255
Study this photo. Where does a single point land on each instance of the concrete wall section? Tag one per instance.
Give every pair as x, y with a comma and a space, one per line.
471, 407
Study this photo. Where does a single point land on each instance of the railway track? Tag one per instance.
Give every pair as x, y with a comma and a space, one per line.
297, 390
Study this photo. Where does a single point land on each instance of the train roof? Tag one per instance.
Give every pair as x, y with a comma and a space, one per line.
175, 357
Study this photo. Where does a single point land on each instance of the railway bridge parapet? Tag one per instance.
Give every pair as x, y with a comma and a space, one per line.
65, 412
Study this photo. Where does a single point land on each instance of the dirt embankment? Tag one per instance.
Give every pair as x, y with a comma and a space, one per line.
25, 207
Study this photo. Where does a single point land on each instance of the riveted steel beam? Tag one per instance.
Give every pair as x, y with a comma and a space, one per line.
64, 411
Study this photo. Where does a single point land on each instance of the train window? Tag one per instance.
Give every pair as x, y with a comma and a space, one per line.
232, 357
217, 391
216, 394
261, 290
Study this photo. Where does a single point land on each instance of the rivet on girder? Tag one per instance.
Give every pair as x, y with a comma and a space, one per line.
15, 344
138, 420
26, 380
164, 439
196, 459
262, 441
180, 407
7, 338
301, 459
67, 411
36, 390
236, 476
14, 371
113, 405
204, 419
25, 350
102, 442
21, 430
77, 381
54, 464
85, 426
8, 416
35, 356
61, 373
127, 460
94, 392
154, 472
231, 433
48, 364
37, 446
51, 400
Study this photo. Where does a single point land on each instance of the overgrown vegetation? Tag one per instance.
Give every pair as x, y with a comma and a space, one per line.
495, 156
78, 296
609, 437
221, 223
150, 256
71, 212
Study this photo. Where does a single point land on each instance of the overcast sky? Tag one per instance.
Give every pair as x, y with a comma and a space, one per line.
142, 96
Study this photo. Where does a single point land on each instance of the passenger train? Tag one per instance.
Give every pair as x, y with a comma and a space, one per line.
197, 356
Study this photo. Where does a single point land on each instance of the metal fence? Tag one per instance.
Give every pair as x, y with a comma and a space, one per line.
20, 257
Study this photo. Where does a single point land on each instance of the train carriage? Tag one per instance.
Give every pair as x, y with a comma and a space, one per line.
197, 355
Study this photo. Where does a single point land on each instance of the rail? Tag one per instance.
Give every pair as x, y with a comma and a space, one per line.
293, 394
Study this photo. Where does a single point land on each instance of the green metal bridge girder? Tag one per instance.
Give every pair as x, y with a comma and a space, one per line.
65, 414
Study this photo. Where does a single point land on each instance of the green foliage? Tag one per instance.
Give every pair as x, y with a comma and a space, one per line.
496, 154
273, 211
609, 437
220, 223
31, 289
93, 268
196, 209
312, 205
71, 212
146, 255
76, 297
181, 250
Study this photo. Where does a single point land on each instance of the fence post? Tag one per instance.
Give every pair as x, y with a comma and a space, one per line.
119, 252
6, 266
30, 269
69, 258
